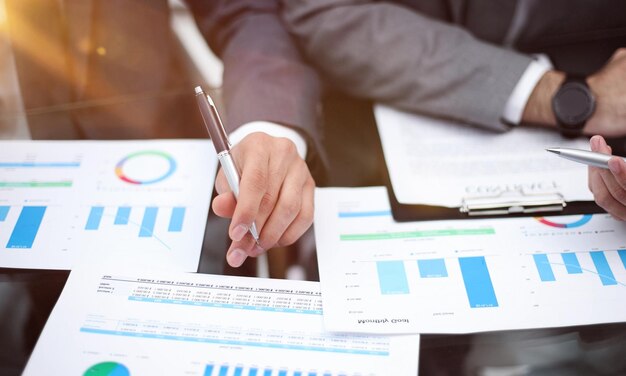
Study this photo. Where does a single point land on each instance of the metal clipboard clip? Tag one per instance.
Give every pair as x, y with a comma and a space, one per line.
512, 202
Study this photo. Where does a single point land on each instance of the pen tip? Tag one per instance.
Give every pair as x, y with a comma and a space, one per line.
198, 90
554, 150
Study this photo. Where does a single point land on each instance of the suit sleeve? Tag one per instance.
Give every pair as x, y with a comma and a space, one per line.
265, 77
394, 55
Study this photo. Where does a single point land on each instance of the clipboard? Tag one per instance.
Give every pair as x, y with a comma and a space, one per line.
397, 130
495, 206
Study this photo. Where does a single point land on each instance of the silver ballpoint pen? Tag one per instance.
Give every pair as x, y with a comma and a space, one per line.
584, 156
214, 126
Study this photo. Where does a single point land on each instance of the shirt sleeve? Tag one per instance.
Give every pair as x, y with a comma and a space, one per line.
516, 103
271, 129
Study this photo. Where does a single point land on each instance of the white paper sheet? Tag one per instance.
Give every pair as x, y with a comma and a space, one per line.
139, 323
464, 276
437, 162
137, 202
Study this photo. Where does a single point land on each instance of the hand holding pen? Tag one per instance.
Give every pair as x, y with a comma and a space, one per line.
606, 177
608, 185
263, 185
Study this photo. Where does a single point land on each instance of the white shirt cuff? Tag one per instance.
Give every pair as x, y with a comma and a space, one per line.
272, 129
514, 108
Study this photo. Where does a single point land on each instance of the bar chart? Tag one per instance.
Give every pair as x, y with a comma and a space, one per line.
599, 267
448, 276
145, 227
476, 279
240, 370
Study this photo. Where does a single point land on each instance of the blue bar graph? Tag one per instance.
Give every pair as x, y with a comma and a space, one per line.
223, 371
122, 215
252, 372
478, 283
379, 213
147, 224
297, 373
434, 268
95, 216
392, 277
622, 256
602, 266
208, 370
571, 263
176, 220
4, 211
543, 267
27, 226
312, 374
39, 164
238, 371
267, 372
282, 372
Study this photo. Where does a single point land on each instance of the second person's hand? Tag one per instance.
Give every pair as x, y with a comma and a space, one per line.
275, 192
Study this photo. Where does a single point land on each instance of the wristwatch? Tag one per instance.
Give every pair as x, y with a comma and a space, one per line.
573, 104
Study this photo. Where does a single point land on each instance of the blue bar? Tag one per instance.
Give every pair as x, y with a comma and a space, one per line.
282, 372
26, 228
297, 373
267, 372
122, 215
95, 215
40, 164
603, 268
4, 211
312, 374
238, 371
571, 263
477, 282
435, 268
380, 213
544, 268
176, 220
392, 277
252, 372
223, 371
147, 224
208, 370
622, 256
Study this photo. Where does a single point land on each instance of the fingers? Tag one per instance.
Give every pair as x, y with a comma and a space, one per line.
608, 186
288, 206
252, 188
239, 251
304, 219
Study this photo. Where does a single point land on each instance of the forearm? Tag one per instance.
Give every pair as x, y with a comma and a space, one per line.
265, 78
393, 55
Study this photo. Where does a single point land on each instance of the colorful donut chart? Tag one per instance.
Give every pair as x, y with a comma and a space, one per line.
582, 221
119, 168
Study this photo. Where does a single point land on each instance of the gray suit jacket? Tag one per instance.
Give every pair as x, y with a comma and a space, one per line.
413, 55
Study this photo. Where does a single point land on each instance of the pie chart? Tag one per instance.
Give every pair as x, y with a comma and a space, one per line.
107, 369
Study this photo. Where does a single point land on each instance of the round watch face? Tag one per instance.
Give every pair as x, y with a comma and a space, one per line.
573, 104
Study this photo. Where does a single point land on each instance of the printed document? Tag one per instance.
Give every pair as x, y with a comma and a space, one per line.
380, 276
138, 202
146, 323
438, 162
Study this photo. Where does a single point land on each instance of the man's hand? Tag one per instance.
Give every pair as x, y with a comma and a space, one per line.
275, 192
608, 85
608, 186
